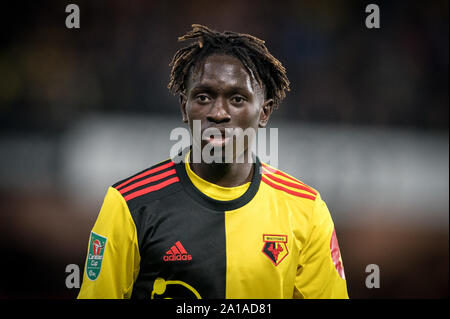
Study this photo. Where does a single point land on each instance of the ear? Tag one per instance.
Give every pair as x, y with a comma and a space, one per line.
183, 102
266, 111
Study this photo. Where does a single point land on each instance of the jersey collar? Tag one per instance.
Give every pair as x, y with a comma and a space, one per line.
212, 203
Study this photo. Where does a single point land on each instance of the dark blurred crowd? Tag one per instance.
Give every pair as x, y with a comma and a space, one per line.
118, 61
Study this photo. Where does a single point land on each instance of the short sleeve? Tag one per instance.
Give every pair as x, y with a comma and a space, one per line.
112, 262
320, 272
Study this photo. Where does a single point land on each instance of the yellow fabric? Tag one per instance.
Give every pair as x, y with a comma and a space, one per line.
121, 259
308, 227
308, 263
212, 190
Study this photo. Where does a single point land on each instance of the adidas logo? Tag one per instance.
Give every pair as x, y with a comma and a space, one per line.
177, 252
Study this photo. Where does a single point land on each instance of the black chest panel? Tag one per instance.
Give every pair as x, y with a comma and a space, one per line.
182, 247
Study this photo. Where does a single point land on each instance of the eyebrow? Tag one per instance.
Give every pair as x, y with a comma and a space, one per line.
210, 88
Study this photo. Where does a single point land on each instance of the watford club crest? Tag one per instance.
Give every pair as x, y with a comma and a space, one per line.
275, 248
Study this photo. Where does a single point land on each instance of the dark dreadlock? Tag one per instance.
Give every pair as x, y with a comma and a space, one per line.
251, 51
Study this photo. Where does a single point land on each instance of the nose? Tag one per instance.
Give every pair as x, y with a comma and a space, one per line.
218, 112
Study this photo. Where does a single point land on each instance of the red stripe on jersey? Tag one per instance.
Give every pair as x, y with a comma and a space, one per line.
287, 190
151, 188
180, 247
275, 171
151, 171
175, 250
148, 180
290, 184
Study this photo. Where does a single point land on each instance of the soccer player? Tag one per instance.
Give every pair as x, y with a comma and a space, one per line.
239, 229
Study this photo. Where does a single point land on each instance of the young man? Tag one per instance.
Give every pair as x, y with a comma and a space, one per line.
227, 229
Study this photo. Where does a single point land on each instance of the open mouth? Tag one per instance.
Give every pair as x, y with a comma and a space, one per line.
216, 137
217, 141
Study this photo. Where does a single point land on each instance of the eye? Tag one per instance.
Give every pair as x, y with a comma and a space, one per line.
202, 98
237, 99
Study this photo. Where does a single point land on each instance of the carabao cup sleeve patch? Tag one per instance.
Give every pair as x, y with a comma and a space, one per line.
97, 244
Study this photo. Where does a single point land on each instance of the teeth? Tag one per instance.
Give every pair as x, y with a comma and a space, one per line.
220, 140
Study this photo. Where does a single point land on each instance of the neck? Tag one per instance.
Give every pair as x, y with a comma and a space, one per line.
224, 174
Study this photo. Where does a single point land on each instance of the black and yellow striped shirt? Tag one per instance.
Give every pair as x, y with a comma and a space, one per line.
166, 233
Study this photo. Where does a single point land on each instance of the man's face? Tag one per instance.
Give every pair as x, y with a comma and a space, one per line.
222, 95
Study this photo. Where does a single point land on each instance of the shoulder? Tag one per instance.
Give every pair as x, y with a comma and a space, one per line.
150, 183
285, 183
307, 202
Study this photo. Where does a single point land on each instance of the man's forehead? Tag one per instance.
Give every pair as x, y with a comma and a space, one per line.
222, 70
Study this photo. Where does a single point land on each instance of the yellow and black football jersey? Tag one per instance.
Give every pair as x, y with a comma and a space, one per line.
167, 233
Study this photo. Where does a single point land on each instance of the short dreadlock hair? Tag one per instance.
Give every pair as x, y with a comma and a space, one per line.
251, 51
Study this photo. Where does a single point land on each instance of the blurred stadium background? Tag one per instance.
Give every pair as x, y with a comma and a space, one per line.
366, 123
